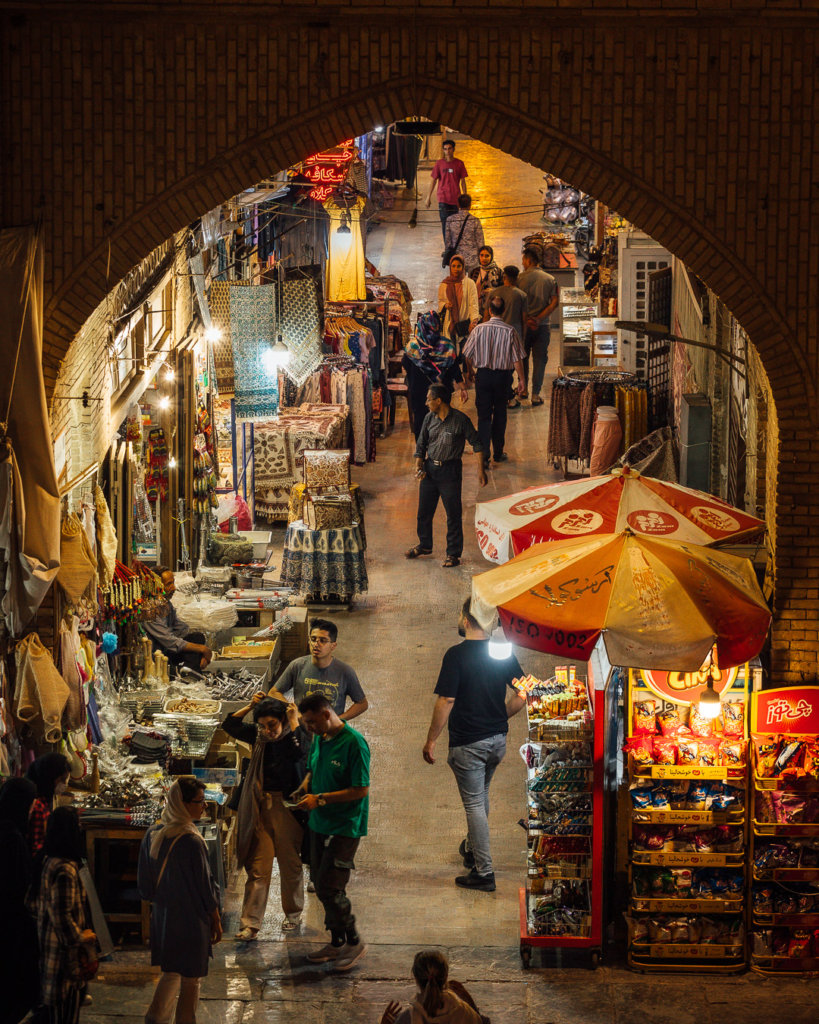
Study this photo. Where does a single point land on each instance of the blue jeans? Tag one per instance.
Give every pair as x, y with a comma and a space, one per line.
536, 342
473, 766
445, 211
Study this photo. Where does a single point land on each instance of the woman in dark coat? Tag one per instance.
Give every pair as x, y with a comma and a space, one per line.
174, 874
19, 951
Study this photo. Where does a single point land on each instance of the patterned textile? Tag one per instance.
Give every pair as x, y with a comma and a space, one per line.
277, 450
296, 505
219, 303
428, 348
325, 563
300, 326
252, 334
326, 468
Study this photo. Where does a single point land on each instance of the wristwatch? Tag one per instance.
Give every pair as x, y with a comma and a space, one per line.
320, 800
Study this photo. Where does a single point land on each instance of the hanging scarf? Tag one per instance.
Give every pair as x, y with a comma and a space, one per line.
175, 821
454, 291
428, 349
249, 800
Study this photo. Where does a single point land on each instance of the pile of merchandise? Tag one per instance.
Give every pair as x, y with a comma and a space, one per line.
662, 738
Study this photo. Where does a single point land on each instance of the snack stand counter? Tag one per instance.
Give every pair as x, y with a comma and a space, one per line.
784, 839
688, 784
561, 903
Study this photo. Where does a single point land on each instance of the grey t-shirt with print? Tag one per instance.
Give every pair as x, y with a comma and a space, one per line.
337, 682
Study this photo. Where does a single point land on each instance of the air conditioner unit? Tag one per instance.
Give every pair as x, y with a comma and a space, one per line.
695, 442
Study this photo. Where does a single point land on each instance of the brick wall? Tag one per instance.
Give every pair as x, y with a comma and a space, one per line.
694, 118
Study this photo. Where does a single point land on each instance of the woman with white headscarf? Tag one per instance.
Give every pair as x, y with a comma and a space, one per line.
174, 874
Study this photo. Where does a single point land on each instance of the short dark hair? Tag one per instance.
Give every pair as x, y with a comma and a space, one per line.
467, 614
190, 787
497, 305
327, 625
314, 702
448, 142
464, 201
511, 272
63, 838
531, 253
487, 248
441, 391
270, 708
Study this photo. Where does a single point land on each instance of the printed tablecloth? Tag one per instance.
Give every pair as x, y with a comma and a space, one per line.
324, 563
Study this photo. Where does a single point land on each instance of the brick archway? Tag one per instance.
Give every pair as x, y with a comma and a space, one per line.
540, 144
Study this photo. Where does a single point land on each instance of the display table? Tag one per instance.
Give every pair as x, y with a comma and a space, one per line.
324, 563
295, 510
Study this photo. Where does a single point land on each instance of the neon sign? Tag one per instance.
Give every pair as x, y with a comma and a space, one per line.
328, 169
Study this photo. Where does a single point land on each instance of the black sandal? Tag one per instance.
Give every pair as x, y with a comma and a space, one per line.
450, 562
417, 551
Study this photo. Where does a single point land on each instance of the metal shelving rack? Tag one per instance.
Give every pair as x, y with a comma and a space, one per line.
785, 711
694, 957
564, 865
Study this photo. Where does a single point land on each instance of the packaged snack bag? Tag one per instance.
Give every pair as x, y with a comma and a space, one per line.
762, 898
641, 797
799, 943
705, 841
665, 750
645, 720
637, 929
698, 793
710, 930
698, 725
766, 749
790, 756
762, 942
789, 808
733, 718
661, 799
729, 839
764, 806
678, 926
708, 748
640, 748
811, 758
732, 752
658, 930
694, 929
669, 721
688, 751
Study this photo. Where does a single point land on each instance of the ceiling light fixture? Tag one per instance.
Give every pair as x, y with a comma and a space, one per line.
709, 703
164, 402
213, 333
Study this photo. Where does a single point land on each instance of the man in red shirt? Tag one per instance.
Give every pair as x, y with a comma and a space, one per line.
450, 176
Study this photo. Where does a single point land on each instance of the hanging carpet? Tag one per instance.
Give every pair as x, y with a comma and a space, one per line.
252, 335
300, 326
219, 303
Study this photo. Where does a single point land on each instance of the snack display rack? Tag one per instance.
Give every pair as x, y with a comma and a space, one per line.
688, 824
784, 843
561, 903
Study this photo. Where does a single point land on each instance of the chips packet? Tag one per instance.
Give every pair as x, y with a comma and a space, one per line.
790, 756
665, 750
733, 718
645, 720
708, 751
698, 725
640, 748
766, 750
732, 752
688, 751
669, 722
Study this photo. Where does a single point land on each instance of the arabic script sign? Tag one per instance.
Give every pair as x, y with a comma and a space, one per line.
789, 709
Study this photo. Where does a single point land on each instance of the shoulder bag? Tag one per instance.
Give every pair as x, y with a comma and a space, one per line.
447, 254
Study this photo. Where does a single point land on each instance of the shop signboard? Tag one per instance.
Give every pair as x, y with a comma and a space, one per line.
788, 709
328, 169
686, 687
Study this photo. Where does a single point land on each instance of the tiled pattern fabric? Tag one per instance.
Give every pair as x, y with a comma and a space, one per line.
300, 326
252, 335
325, 563
219, 303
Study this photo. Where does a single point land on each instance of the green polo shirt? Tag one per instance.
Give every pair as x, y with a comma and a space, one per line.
340, 763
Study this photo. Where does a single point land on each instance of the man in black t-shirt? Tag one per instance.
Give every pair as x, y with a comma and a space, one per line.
472, 699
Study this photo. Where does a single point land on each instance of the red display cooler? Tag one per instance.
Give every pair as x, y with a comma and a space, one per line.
561, 905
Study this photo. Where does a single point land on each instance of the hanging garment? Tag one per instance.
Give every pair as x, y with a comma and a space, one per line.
345, 266
78, 568
252, 336
219, 304
70, 650
40, 694
300, 326
106, 540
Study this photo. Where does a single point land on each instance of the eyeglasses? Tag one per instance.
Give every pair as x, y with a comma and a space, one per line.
201, 801
320, 640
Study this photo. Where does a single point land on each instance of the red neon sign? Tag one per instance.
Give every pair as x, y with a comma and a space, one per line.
328, 169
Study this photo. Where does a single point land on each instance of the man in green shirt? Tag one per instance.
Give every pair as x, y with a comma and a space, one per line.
335, 792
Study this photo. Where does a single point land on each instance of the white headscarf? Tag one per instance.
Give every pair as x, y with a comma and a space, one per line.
175, 820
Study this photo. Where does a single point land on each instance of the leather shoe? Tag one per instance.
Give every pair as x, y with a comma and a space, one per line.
483, 883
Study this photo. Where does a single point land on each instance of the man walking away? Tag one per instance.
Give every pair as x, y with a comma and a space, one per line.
336, 792
472, 700
438, 467
450, 176
492, 350
514, 314
541, 300
464, 235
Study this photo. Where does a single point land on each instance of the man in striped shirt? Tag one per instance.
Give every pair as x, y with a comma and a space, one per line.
493, 349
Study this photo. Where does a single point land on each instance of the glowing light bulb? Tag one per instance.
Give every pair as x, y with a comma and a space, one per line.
213, 334
709, 703
499, 647
170, 373
172, 462
164, 402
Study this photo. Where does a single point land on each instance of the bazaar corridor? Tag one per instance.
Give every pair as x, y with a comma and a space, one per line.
395, 637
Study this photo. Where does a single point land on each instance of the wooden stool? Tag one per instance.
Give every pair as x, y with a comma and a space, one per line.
398, 389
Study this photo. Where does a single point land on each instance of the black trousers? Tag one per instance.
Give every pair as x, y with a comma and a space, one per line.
332, 858
190, 659
491, 395
442, 482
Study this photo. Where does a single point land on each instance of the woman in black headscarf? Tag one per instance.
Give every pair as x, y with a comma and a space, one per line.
19, 955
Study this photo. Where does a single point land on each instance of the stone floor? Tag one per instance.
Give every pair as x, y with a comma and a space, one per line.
403, 891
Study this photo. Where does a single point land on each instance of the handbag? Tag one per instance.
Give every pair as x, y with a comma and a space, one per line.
448, 253
228, 549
